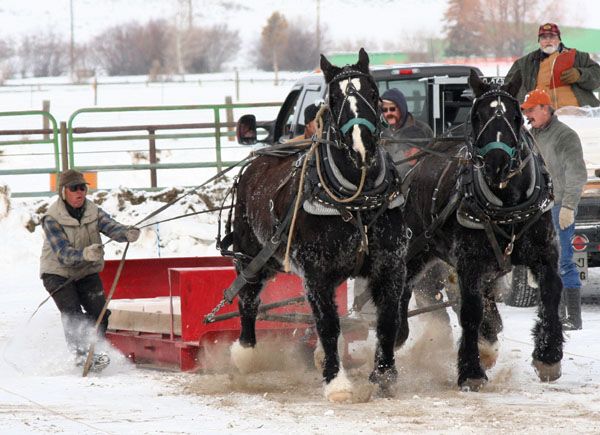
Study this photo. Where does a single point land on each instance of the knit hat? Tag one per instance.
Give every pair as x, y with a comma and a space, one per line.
536, 97
549, 28
70, 177
310, 113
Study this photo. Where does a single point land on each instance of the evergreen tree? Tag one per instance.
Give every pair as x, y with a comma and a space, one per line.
464, 28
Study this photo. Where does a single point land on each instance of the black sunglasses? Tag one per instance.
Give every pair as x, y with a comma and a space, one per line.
388, 109
76, 187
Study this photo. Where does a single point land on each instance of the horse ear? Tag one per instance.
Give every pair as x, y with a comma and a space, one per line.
478, 86
514, 85
363, 61
329, 70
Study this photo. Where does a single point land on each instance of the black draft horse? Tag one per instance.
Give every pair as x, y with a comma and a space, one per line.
364, 236
482, 206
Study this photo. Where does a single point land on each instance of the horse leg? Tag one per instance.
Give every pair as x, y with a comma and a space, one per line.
471, 376
489, 329
243, 353
338, 388
386, 296
547, 332
413, 269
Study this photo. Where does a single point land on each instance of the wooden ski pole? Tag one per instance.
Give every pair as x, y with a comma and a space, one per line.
90, 356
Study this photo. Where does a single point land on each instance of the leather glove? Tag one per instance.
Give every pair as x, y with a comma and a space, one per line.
570, 76
132, 234
93, 252
566, 217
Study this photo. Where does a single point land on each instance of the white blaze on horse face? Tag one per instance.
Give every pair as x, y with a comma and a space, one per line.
495, 103
357, 143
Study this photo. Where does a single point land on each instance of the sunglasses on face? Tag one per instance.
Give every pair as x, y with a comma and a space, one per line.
76, 187
388, 109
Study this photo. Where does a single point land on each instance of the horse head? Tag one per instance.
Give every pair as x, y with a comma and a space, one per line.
354, 106
496, 122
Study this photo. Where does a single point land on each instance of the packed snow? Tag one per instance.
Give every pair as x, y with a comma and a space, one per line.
41, 391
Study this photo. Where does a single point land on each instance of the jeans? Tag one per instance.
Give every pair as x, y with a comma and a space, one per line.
568, 270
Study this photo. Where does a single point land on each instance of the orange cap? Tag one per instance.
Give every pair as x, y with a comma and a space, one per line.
536, 97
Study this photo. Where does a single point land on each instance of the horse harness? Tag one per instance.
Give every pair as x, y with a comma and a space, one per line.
474, 203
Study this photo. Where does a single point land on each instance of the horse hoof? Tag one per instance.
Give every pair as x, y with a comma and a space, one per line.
488, 353
243, 358
341, 390
547, 372
471, 384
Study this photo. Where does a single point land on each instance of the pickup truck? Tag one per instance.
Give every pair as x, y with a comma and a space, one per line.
436, 94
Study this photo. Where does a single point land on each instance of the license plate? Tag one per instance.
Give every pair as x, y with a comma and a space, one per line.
581, 260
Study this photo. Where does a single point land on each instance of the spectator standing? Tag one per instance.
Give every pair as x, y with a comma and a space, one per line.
569, 76
561, 148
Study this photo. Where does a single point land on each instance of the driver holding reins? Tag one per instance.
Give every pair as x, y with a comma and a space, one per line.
72, 256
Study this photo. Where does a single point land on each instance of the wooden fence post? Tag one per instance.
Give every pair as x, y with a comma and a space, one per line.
64, 147
45, 120
229, 114
152, 157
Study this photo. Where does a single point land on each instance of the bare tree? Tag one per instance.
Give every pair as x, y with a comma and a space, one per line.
464, 27
207, 49
289, 46
43, 55
134, 49
274, 38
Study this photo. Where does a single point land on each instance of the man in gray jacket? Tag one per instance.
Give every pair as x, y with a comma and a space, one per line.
561, 148
72, 256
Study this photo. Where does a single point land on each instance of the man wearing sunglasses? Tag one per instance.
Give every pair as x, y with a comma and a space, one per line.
402, 127
72, 256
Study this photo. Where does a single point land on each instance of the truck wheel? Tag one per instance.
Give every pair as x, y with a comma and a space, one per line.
521, 294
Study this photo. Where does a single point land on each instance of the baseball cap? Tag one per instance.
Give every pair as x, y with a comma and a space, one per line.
536, 97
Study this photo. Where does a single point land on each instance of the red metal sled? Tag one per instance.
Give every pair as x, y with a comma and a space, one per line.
196, 284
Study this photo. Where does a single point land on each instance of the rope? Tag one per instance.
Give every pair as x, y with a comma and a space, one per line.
52, 411
315, 144
88, 361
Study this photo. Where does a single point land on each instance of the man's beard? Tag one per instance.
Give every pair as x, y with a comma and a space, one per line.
550, 49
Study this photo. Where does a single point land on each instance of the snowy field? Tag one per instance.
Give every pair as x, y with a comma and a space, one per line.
41, 391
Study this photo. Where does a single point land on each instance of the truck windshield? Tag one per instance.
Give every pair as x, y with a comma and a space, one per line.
416, 95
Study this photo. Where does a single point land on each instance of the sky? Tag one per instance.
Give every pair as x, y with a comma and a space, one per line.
353, 20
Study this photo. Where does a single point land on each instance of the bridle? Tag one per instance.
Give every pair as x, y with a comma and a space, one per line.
351, 91
498, 96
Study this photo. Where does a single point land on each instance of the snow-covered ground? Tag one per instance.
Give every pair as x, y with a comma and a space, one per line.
42, 392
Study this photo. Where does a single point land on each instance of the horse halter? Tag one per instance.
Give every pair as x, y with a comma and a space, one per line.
496, 96
351, 91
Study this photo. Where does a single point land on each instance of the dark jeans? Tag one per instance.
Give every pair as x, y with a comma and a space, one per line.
80, 303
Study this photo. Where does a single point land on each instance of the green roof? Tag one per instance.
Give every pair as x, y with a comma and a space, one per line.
381, 58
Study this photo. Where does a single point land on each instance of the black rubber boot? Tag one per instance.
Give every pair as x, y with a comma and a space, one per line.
573, 303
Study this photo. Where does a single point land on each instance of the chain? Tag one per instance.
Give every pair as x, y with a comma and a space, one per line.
210, 317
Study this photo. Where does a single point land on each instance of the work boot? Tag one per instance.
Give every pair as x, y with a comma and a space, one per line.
573, 303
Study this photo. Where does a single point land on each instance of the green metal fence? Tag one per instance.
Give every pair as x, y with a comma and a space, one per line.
81, 138
42, 137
